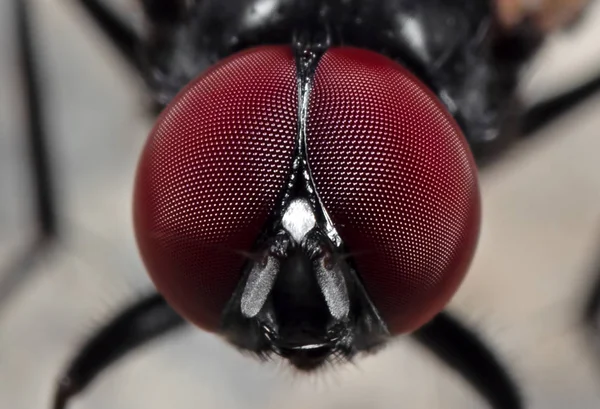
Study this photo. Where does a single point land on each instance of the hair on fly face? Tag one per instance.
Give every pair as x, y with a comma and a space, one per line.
321, 379
325, 375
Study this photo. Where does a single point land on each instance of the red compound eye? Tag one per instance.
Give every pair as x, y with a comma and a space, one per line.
391, 167
209, 177
397, 177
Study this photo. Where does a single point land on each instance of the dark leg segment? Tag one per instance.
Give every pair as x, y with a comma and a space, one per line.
123, 37
462, 350
140, 323
37, 138
539, 115
38, 156
592, 310
591, 313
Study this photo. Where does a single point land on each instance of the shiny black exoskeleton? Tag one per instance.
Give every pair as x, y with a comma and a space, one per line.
454, 46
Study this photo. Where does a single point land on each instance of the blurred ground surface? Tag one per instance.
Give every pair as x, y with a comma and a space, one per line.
536, 259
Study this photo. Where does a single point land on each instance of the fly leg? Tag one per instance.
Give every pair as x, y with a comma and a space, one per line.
38, 155
462, 350
543, 113
122, 36
591, 312
135, 326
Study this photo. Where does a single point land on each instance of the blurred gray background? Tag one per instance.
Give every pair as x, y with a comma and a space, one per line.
538, 255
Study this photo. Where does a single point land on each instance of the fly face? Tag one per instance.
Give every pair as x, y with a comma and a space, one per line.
308, 201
